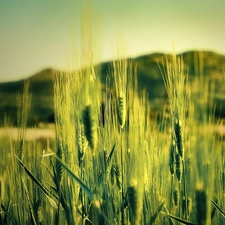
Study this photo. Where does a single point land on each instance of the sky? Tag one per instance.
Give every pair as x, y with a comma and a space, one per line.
58, 34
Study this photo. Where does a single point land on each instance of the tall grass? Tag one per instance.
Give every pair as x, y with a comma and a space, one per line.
110, 161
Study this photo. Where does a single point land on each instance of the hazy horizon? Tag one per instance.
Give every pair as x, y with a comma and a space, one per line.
43, 34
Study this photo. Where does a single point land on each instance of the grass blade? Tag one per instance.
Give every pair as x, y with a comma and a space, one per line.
7, 214
38, 183
88, 192
217, 207
178, 219
108, 163
154, 216
30, 205
111, 154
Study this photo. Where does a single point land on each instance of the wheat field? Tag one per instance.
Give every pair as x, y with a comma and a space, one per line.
110, 161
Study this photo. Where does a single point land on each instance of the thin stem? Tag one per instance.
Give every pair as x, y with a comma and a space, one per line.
171, 194
122, 177
185, 190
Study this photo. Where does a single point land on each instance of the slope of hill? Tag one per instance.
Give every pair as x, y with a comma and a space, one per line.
41, 88
210, 64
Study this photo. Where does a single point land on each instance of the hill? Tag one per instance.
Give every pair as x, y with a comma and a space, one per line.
41, 87
149, 79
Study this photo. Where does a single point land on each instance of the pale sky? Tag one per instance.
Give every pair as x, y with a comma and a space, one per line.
38, 34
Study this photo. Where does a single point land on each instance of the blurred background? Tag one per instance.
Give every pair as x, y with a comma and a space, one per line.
40, 34
39, 38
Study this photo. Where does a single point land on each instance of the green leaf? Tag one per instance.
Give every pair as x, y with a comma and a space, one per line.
38, 183
154, 216
178, 219
217, 207
108, 164
7, 213
111, 154
88, 192
30, 205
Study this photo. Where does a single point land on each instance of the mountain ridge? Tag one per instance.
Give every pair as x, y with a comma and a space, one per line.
149, 78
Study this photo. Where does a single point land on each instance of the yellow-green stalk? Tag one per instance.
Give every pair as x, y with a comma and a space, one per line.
90, 129
135, 203
201, 206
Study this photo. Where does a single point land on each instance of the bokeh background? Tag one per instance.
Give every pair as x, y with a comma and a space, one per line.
43, 34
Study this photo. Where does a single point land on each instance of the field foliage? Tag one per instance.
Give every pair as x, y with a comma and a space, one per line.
111, 161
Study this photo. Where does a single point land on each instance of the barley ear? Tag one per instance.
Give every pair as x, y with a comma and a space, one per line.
179, 167
59, 171
176, 197
90, 127
82, 142
189, 206
172, 157
121, 110
187, 202
178, 135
